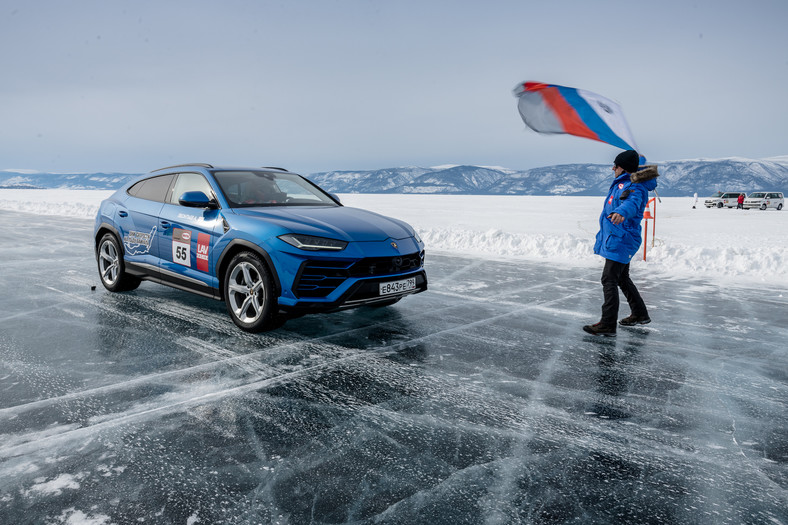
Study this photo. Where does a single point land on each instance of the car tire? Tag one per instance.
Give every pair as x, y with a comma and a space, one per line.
780, 206
111, 268
249, 294
763, 206
719, 205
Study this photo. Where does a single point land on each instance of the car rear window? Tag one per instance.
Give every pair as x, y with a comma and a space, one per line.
152, 189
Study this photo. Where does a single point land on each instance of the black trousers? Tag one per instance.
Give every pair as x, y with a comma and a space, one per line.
615, 276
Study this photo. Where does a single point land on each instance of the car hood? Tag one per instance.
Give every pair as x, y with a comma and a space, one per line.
340, 222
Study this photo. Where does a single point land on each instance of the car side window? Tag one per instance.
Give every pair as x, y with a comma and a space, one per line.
135, 188
189, 182
153, 189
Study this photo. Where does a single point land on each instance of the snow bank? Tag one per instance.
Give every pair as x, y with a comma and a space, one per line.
718, 244
65, 203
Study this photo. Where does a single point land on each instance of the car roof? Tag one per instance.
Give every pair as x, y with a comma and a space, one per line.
212, 167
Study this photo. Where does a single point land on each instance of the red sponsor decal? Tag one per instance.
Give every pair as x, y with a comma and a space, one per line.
203, 244
610, 200
620, 185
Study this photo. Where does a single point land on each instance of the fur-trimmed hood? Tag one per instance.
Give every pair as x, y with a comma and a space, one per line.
647, 172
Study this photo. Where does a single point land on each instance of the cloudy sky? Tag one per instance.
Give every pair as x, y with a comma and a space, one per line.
319, 85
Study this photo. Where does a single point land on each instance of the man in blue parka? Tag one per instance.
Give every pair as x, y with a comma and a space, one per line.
619, 239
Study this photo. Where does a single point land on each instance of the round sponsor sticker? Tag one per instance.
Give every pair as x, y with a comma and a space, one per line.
621, 186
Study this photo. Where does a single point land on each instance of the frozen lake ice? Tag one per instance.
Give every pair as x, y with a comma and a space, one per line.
479, 401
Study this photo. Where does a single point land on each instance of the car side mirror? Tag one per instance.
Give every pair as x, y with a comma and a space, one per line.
335, 197
197, 199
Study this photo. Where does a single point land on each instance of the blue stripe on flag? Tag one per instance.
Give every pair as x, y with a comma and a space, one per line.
591, 119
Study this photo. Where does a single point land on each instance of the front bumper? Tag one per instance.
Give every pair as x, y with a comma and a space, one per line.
360, 293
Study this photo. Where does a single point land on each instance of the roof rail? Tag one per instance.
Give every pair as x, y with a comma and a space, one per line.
201, 164
274, 168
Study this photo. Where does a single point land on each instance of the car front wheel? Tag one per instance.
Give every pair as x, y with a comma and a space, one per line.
779, 206
763, 206
112, 270
719, 205
248, 293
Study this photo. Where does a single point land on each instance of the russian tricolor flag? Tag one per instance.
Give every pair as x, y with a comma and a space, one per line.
548, 108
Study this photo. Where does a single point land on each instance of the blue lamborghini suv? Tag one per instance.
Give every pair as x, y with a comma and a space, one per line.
269, 243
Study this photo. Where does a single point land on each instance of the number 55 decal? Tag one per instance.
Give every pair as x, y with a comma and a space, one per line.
181, 246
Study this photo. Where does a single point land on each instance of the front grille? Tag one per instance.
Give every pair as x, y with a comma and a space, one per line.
320, 278
373, 266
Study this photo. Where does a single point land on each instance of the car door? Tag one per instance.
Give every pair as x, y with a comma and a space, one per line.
137, 219
187, 236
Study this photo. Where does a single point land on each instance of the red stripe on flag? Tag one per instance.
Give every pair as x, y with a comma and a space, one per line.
535, 86
569, 118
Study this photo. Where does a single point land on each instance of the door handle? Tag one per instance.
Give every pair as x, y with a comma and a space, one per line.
123, 213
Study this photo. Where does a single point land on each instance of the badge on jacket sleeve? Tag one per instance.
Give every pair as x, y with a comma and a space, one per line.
620, 185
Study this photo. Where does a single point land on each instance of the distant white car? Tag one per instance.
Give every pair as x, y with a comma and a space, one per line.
728, 199
763, 200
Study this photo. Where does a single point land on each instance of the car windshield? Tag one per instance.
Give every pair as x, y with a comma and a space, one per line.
247, 189
718, 194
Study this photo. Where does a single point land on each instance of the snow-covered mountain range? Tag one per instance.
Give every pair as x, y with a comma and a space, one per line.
28, 179
677, 178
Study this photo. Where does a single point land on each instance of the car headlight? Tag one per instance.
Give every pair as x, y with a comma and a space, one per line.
311, 243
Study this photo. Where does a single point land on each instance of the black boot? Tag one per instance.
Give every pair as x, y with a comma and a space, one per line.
633, 319
601, 329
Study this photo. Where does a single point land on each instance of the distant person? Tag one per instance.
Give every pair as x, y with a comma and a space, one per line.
619, 239
695, 202
740, 202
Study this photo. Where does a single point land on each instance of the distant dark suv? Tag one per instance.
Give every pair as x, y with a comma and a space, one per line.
265, 241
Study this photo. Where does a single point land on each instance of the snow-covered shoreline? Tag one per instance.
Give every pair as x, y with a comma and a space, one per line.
725, 245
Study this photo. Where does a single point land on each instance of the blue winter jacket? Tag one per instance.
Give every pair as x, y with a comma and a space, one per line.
628, 197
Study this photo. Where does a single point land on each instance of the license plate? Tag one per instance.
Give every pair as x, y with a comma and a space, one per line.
398, 286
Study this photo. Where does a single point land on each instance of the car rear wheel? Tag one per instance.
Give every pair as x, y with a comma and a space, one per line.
248, 294
111, 268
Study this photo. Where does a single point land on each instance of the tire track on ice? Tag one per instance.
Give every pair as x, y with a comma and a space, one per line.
199, 395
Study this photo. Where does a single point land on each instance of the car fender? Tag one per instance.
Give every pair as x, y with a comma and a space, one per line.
232, 248
104, 226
